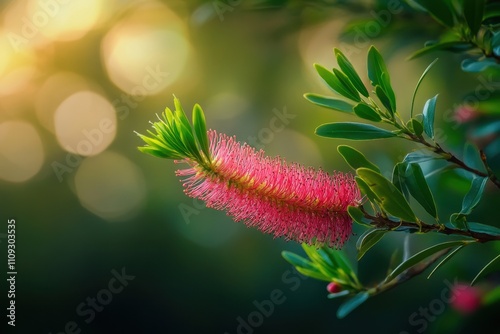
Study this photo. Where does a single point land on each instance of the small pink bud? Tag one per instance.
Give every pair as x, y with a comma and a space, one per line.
465, 299
333, 287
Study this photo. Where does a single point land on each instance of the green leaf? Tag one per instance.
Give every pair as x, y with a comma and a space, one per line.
338, 294
358, 216
492, 11
382, 96
398, 179
440, 10
328, 102
459, 221
351, 304
482, 272
472, 157
389, 197
364, 111
474, 195
420, 156
491, 296
200, 129
335, 84
339, 260
482, 228
422, 255
478, 65
447, 257
298, 261
458, 46
416, 126
368, 239
355, 158
347, 85
473, 11
324, 266
376, 67
346, 66
353, 131
317, 274
386, 85
418, 85
417, 185
365, 189
428, 113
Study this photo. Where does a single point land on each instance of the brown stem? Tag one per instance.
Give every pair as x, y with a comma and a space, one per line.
380, 221
436, 148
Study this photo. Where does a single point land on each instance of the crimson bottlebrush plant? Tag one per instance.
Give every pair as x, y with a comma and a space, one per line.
317, 208
280, 198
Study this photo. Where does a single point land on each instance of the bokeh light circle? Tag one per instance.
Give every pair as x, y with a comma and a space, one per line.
85, 123
21, 151
146, 51
110, 186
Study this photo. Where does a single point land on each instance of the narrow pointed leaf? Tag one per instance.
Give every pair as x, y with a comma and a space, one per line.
422, 255
353, 131
419, 189
346, 67
428, 113
440, 10
366, 190
376, 66
298, 261
390, 198
389, 92
338, 294
473, 11
200, 129
355, 158
329, 102
418, 85
482, 228
358, 216
368, 239
447, 257
382, 96
474, 195
420, 156
398, 179
347, 85
416, 126
351, 304
457, 46
482, 272
316, 273
364, 111
334, 83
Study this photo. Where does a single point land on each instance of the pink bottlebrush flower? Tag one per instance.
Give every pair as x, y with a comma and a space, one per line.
286, 200
282, 199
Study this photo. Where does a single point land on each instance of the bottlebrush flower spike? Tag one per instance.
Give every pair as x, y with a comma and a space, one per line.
286, 200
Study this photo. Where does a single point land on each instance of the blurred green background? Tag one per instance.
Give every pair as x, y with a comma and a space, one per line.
77, 78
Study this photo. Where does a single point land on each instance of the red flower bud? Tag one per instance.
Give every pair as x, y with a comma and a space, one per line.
333, 287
